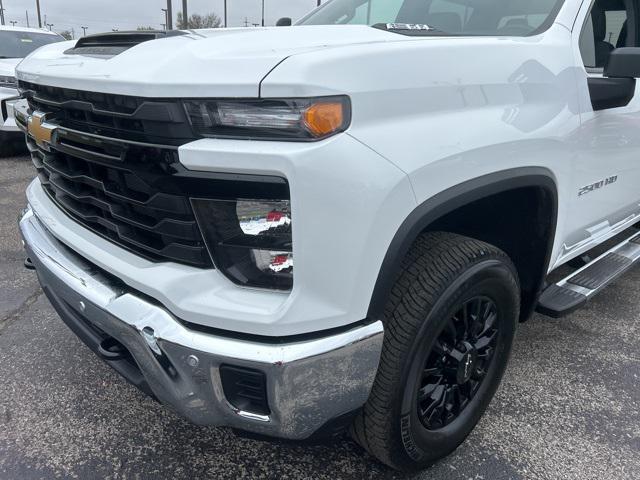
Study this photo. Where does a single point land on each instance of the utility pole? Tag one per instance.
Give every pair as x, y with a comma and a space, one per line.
39, 16
84, 31
262, 12
27, 12
73, 33
169, 15
225, 14
246, 22
185, 15
164, 26
319, 2
166, 18
1, 12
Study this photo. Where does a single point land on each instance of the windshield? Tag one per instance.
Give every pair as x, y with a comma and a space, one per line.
20, 44
457, 17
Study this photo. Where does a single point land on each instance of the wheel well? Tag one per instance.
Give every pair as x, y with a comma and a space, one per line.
521, 222
515, 210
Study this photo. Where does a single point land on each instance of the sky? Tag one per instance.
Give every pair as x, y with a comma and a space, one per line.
104, 15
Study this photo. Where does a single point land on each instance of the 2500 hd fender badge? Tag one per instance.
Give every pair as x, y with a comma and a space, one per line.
597, 185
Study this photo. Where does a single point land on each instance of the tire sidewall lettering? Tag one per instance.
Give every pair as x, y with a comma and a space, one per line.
410, 446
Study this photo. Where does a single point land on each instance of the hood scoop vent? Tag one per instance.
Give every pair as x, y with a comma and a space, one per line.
114, 43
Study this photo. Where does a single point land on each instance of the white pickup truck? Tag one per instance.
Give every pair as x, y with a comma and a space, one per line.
340, 223
15, 44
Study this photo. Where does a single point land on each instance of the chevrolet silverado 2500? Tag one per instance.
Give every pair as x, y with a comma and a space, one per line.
15, 44
340, 223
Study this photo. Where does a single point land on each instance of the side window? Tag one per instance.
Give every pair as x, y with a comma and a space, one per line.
606, 29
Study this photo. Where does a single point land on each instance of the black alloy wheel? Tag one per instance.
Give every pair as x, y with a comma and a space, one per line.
458, 363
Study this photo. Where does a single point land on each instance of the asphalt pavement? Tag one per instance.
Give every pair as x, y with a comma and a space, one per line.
569, 407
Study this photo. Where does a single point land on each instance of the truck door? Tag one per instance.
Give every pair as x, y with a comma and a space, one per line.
605, 196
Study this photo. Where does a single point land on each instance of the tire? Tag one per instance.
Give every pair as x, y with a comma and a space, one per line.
425, 312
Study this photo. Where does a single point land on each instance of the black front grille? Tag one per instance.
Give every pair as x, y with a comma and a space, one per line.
157, 121
122, 204
112, 165
121, 189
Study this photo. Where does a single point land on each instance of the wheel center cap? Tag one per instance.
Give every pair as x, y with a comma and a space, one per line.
467, 366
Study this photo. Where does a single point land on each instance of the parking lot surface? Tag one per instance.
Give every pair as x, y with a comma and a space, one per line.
569, 407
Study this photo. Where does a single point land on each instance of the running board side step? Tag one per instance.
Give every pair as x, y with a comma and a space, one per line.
573, 292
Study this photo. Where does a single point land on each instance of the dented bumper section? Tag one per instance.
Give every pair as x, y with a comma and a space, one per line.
307, 383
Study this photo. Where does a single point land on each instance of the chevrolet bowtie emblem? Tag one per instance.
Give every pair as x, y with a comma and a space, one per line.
39, 129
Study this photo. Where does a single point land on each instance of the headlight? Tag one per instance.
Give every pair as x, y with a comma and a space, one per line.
278, 119
249, 240
8, 82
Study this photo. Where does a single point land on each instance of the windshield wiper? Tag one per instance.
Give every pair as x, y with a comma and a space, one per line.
412, 29
3, 57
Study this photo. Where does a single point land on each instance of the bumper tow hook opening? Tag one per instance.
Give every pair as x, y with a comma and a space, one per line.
28, 264
111, 350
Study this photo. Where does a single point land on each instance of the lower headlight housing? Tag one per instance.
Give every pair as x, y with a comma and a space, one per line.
249, 240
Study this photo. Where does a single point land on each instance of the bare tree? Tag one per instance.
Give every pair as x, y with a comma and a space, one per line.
210, 20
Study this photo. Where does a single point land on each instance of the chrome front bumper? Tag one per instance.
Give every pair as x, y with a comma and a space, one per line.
309, 383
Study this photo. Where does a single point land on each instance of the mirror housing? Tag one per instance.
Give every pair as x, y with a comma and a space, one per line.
284, 22
617, 87
623, 63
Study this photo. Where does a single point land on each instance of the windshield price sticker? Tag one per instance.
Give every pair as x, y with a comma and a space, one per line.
408, 26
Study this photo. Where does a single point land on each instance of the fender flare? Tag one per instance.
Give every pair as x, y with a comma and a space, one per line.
446, 202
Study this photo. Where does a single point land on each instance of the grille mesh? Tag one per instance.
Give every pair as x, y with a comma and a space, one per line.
119, 188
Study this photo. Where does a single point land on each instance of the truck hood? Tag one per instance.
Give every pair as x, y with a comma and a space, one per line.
8, 66
204, 63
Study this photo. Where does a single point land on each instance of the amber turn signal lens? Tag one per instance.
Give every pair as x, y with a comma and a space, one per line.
322, 119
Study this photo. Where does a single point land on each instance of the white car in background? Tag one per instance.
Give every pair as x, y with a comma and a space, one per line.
15, 44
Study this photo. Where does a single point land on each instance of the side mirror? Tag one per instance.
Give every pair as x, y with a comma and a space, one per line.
623, 63
284, 22
617, 87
